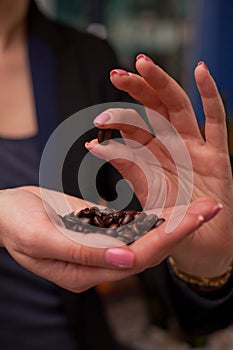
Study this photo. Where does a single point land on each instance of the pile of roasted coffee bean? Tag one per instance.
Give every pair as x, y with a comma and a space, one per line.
125, 225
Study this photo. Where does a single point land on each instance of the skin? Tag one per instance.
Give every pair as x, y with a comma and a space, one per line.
26, 230
17, 110
209, 250
34, 241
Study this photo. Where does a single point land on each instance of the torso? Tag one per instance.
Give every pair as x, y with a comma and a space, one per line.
17, 110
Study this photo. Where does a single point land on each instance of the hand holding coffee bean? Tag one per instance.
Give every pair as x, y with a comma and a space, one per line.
212, 176
35, 242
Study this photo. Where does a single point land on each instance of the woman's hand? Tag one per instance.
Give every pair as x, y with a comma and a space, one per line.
30, 235
35, 242
209, 250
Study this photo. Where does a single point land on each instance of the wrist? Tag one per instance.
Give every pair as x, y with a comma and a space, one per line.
207, 266
201, 281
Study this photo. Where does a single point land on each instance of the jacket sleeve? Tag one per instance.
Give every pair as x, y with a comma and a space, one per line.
196, 313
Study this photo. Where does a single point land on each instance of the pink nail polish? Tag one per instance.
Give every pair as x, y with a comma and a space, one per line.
102, 119
120, 258
201, 63
141, 55
119, 72
88, 146
200, 220
215, 211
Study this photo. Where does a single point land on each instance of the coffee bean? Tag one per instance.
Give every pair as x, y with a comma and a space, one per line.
107, 211
86, 220
159, 222
126, 219
150, 221
95, 211
80, 228
140, 216
135, 228
111, 232
104, 135
101, 134
108, 220
126, 233
114, 225
97, 221
125, 239
126, 226
117, 216
131, 212
84, 212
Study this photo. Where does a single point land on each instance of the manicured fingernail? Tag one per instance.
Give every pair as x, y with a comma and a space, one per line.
101, 119
200, 220
90, 145
120, 258
141, 55
119, 72
202, 64
215, 211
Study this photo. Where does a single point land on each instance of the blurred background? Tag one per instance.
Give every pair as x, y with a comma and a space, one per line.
176, 34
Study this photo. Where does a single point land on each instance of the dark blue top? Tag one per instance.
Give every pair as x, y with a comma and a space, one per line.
19, 162
31, 309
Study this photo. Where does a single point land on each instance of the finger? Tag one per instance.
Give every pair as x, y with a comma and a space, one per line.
126, 161
129, 122
172, 96
155, 151
70, 276
58, 247
138, 88
215, 125
157, 244
207, 206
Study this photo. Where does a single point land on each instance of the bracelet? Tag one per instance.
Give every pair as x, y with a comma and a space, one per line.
200, 281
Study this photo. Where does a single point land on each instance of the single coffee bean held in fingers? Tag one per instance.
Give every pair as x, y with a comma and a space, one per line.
104, 135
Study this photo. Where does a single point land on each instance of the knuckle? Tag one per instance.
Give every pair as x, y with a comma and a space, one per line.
81, 254
85, 255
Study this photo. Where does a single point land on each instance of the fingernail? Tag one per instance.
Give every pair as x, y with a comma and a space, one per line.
141, 55
202, 64
119, 72
101, 119
215, 211
200, 220
120, 258
88, 146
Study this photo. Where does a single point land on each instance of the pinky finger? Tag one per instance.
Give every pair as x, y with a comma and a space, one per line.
215, 125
